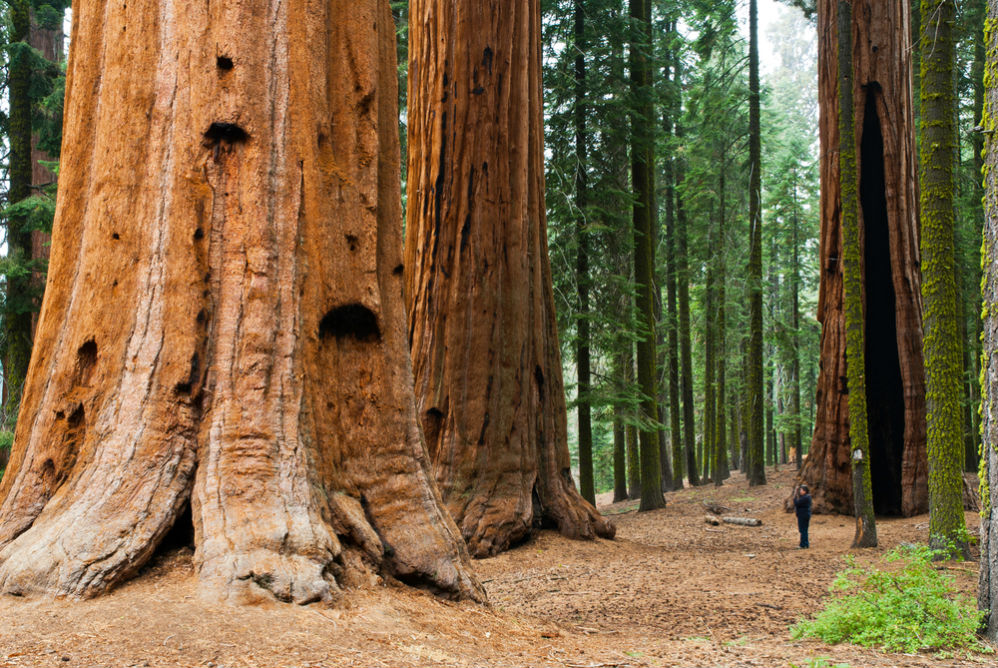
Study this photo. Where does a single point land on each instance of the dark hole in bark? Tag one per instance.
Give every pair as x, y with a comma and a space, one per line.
198, 234
180, 535
224, 63
354, 321
433, 422
351, 242
186, 386
398, 270
230, 133
884, 387
539, 377
115, 236
86, 360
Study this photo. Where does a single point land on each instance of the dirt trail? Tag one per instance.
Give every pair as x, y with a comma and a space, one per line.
670, 591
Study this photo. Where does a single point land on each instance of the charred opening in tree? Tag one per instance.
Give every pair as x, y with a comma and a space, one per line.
180, 536
86, 360
224, 63
198, 234
884, 387
115, 236
350, 321
539, 377
433, 422
398, 270
351, 242
230, 133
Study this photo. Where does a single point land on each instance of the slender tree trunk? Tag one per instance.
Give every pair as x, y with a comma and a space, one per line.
582, 343
643, 183
887, 215
18, 307
988, 587
721, 471
979, 12
796, 441
246, 248
478, 280
942, 346
48, 42
672, 315
852, 280
633, 464
619, 457
754, 388
709, 367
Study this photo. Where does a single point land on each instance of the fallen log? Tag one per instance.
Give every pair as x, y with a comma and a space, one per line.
742, 521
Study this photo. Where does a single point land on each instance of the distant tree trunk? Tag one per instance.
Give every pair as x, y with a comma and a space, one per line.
796, 441
478, 287
709, 361
754, 389
881, 71
721, 471
943, 351
988, 587
586, 487
246, 248
633, 464
18, 307
619, 457
643, 183
852, 282
672, 314
49, 42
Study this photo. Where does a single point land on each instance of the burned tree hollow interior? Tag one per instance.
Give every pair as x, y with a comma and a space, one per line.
884, 387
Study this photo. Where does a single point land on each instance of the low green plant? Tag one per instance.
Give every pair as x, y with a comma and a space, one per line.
906, 606
820, 662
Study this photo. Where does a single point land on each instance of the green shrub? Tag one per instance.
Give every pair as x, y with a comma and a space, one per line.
909, 606
6, 439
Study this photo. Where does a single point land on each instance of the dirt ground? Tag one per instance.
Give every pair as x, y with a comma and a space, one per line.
669, 591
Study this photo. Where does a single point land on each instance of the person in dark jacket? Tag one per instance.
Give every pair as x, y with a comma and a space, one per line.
802, 504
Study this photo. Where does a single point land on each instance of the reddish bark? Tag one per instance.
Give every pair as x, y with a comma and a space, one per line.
477, 276
881, 86
223, 322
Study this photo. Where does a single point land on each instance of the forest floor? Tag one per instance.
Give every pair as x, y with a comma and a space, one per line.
669, 591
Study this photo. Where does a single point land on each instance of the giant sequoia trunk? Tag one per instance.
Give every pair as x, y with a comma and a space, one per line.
223, 324
885, 160
477, 276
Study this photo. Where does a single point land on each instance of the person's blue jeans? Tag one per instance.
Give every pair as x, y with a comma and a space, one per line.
802, 524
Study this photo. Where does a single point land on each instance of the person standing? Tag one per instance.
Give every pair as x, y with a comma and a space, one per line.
802, 504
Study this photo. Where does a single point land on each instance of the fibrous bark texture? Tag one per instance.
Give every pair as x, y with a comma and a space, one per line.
988, 591
885, 152
477, 276
223, 323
